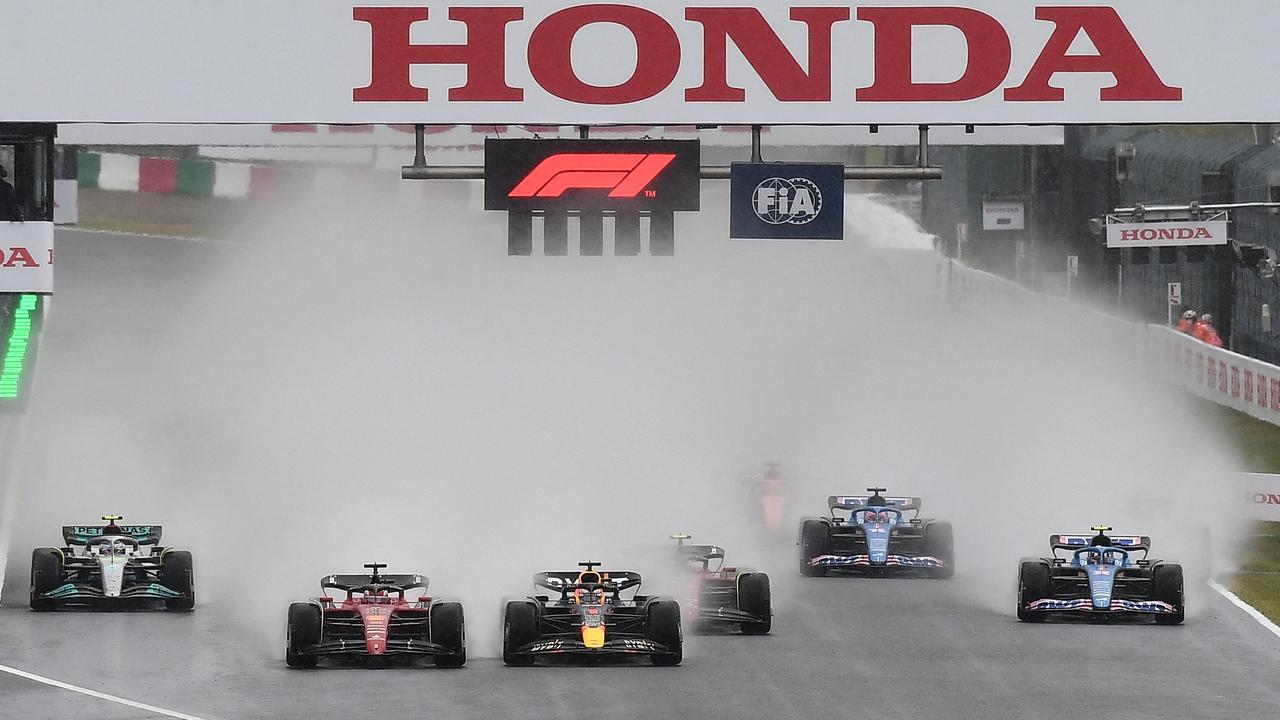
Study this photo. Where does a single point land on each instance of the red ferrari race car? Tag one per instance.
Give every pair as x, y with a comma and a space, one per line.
724, 595
375, 619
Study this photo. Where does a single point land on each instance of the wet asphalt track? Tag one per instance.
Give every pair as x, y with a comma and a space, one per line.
850, 647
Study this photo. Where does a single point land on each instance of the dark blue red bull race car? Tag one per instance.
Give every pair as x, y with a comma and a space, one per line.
875, 536
1104, 576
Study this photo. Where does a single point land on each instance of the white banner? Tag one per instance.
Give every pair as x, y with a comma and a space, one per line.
26, 265
1003, 215
1262, 492
66, 202
1166, 234
646, 61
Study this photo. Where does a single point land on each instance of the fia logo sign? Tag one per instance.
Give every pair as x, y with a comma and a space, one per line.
782, 201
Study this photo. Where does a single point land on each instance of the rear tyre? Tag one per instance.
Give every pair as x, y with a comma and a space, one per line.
519, 628
1033, 584
755, 598
1166, 585
448, 629
939, 542
176, 574
814, 541
46, 574
664, 628
304, 631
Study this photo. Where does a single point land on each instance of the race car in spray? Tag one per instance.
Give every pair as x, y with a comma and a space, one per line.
111, 565
723, 595
591, 617
1102, 577
375, 619
875, 538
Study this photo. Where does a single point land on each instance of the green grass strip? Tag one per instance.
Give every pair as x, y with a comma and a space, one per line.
15, 358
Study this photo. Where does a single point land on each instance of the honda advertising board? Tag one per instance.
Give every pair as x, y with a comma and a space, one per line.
26, 257
571, 62
776, 201
617, 175
1166, 234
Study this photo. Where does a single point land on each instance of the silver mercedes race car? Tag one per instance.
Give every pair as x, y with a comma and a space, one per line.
110, 565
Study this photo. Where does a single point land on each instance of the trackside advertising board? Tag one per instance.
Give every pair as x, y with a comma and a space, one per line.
777, 201
26, 257
1166, 234
640, 61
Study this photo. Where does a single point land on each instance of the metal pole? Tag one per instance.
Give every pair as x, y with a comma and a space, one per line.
709, 172
922, 160
584, 132
1169, 302
756, 157
419, 145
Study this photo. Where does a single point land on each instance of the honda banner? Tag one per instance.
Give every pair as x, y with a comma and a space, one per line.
1161, 234
631, 175
775, 201
568, 62
26, 257
1262, 492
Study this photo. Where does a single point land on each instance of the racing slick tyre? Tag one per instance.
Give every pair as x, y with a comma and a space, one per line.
304, 631
754, 597
1033, 584
664, 628
46, 573
519, 628
175, 574
448, 629
939, 542
1166, 585
814, 541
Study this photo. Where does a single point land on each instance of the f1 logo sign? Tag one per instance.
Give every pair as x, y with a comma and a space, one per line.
591, 175
624, 175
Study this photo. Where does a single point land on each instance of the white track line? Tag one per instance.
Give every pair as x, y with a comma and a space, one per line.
95, 694
1252, 611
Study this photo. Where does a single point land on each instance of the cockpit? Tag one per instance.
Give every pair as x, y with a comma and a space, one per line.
1100, 556
118, 545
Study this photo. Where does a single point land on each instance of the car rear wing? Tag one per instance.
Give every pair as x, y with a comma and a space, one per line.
1124, 542
702, 552
560, 581
855, 503
74, 535
347, 583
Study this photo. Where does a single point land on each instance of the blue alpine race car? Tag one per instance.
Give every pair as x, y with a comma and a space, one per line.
1103, 576
875, 538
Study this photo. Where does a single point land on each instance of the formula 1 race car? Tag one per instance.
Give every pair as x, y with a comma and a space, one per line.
591, 619
374, 620
1102, 578
111, 564
875, 538
724, 594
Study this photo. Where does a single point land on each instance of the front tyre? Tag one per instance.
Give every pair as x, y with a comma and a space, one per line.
176, 574
46, 574
939, 542
814, 541
448, 629
1166, 585
305, 621
519, 628
1033, 584
754, 597
664, 629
